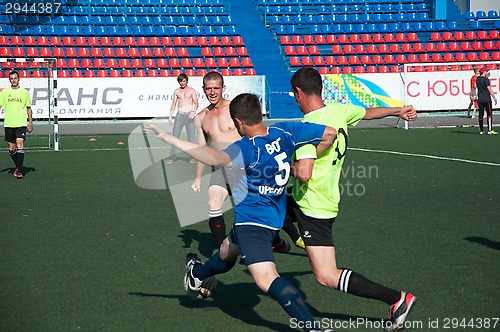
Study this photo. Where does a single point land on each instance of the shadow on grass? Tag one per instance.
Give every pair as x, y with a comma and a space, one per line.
205, 241
241, 307
26, 170
484, 241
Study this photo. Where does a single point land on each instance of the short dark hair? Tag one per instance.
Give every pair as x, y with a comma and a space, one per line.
308, 80
213, 75
181, 77
13, 72
246, 107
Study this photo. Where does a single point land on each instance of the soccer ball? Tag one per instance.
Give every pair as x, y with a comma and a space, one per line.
208, 287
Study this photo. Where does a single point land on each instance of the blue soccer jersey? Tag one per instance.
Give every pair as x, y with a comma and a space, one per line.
264, 161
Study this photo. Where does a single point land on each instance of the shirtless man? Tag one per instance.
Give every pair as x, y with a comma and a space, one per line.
214, 125
186, 100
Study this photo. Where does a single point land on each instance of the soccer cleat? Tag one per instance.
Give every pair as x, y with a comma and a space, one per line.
282, 247
492, 132
481, 133
400, 310
191, 283
18, 174
300, 243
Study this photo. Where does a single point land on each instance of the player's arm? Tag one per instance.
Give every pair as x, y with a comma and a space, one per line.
302, 169
29, 112
195, 103
200, 167
204, 154
492, 94
406, 112
172, 107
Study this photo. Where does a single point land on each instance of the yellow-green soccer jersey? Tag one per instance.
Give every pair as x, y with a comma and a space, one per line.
320, 196
14, 104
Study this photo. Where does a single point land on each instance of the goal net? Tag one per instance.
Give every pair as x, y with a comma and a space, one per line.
39, 77
441, 92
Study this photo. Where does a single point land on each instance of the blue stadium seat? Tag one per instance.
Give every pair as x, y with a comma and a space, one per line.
481, 15
469, 15
493, 14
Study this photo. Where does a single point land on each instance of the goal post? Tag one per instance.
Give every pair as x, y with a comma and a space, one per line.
39, 77
440, 92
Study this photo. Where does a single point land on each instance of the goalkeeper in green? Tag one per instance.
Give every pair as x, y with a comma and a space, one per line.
17, 107
315, 193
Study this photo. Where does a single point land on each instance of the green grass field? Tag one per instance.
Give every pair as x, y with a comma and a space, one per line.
83, 248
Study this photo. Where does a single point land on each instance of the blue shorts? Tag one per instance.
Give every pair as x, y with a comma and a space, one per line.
256, 243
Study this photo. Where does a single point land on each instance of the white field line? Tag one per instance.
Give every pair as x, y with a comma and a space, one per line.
427, 156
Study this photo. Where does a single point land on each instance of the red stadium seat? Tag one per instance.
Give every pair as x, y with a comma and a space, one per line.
396, 69
165, 41
96, 52
121, 52
226, 72
250, 72
32, 52
484, 56
231, 51
140, 73
309, 40
366, 60
349, 49
472, 56
80, 41
238, 41
489, 45
295, 61
372, 49
377, 38
377, 59
342, 60
182, 52
319, 61
366, 38
470, 35
93, 41
383, 48
336, 70
130, 41
111, 63
389, 38
238, 72
201, 72
218, 51
174, 63
343, 39
324, 70
246, 62
114, 73
225, 41
314, 50
162, 63
29, 41
63, 73
143, 41
442, 47
330, 60
477, 46
371, 69
401, 38
448, 57
285, 40
413, 37
210, 63
297, 40
453, 47
18, 52
495, 56
418, 48
242, 51
68, 41
198, 63
127, 73
45, 52
99, 63
145, 52
406, 48
186, 63
347, 70
360, 49
459, 36
430, 47
102, 73
460, 57
206, 52
42, 41
389, 59
234, 63
443, 68
394, 48
354, 60
152, 73
413, 58
401, 59
354, 38
466, 46
108, 52
83, 52
76, 73
383, 69
214, 41
178, 41
307, 61
149, 63
191, 41
337, 49
136, 63
55, 41
483, 35
359, 70
124, 63
320, 40
437, 57
164, 73
448, 36
117, 41
330, 39
87, 64
425, 58
61, 63
436, 36
494, 34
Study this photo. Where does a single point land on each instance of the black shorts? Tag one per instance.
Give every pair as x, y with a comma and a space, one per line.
256, 243
314, 231
12, 134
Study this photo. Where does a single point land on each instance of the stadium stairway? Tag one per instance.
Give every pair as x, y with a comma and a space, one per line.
266, 57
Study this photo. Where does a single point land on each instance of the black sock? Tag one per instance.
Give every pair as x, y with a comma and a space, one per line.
218, 229
13, 156
290, 229
353, 283
480, 120
20, 159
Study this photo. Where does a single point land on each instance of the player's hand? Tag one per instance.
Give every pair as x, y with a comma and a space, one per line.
191, 115
170, 120
150, 128
408, 113
29, 129
196, 186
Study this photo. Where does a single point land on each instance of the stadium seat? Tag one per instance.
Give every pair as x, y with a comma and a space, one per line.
73, 64
330, 60
425, 58
383, 69
389, 38
495, 56
76, 73
366, 60
250, 72
389, 59
324, 70
401, 59
234, 63
63, 73
143, 41
430, 47
477, 46
437, 57
337, 50
484, 56
342, 60
55, 41
320, 40
127, 73
314, 50
347, 70
330, 39
371, 69
238, 72
83, 52
16, 41
360, 49
178, 41
406, 48
246, 62
307, 61
29, 41
418, 48
242, 51
349, 49
42, 41
453, 47
121, 52
32, 52
366, 38
124, 63
308, 40
394, 48
372, 49
174, 63
441, 47
102, 73
140, 73
149, 63
377, 59
295, 61
210, 63
45, 52
494, 34
448, 36
401, 37
459, 36
483, 35
182, 52
460, 57
489, 45
465, 46
377, 38
435, 36
336, 70
238, 41
297, 40
413, 58
61, 63
472, 56
218, 51
162, 63
383, 48
87, 64
136, 63
226, 72
354, 38
164, 73
448, 57
413, 37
